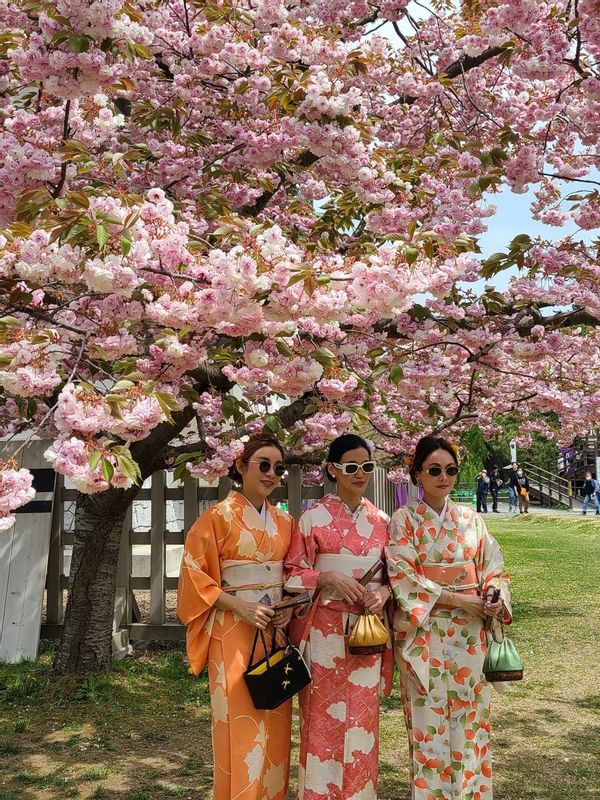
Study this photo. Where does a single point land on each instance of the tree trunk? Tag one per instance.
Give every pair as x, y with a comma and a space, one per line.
86, 641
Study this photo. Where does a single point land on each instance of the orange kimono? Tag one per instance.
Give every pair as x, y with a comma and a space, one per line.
232, 547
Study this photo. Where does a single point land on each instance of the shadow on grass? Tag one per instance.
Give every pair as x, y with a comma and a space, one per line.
529, 765
524, 610
592, 703
141, 732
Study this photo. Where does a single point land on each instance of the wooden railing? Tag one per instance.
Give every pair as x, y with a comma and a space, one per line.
164, 544
550, 487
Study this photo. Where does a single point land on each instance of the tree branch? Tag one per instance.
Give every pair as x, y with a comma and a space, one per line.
305, 160
287, 416
459, 67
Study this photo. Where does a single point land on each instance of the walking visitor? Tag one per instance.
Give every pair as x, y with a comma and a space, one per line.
495, 483
590, 491
522, 491
483, 484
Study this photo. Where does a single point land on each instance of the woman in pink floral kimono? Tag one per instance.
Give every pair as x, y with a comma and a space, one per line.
337, 541
443, 566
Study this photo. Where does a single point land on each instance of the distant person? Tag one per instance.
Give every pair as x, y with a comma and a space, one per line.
483, 484
495, 483
590, 491
523, 491
513, 488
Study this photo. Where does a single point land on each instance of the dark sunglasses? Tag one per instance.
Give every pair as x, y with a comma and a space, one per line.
265, 465
350, 467
437, 471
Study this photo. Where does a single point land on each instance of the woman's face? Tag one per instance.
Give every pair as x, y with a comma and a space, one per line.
255, 481
439, 486
359, 481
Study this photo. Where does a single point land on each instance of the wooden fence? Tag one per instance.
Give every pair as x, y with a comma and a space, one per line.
153, 536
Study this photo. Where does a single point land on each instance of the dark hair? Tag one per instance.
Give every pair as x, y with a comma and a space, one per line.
252, 446
341, 445
425, 447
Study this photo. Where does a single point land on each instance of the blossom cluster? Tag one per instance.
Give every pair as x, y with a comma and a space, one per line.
16, 489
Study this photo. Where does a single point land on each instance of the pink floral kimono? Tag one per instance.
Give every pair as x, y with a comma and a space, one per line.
339, 710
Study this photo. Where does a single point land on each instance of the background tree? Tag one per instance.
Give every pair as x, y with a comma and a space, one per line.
219, 216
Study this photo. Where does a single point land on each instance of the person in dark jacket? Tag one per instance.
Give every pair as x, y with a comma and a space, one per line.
513, 488
495, 484
483, 484
590, 492
523, 491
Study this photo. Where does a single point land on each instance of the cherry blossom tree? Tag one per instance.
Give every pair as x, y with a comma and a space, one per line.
242, 215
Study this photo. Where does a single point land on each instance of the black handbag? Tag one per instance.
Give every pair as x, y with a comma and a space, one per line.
276, 677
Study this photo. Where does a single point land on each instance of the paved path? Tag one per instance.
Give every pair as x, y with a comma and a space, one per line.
536, 510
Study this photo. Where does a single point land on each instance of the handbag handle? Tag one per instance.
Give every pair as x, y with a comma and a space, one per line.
264, 643
492, 629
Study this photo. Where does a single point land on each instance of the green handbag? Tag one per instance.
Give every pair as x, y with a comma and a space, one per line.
502, 662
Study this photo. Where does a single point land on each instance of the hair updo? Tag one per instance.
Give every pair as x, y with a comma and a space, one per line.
425, 447
341, 445
252, 446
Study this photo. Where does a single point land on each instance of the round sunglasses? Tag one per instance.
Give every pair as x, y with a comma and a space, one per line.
437, 471
350, 467
265, 465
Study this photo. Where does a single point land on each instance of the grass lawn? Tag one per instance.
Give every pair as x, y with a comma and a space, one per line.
143, 733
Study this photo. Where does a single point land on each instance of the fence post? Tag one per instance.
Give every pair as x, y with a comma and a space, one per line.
124, 571
190, 503
54, 595
225, 485
157, 548
295, 491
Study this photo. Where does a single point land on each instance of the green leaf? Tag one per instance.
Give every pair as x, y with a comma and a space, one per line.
101, 235
122, 385
396, 373
411, 253
125, 245
169, 401
272, 423
228, 407
79, 43
107, 469
95, 459
284, 349
324, 356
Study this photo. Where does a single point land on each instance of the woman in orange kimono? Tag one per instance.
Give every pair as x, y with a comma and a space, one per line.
337, 541
231, 580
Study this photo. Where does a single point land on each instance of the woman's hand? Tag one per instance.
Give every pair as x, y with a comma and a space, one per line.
282, 617
492, 609
349, 588
374, 601
471, 603
256, 615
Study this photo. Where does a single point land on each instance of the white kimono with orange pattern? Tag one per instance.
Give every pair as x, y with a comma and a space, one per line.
233, 545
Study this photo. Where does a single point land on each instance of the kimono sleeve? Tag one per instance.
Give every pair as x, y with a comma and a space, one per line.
490, 566
199, 588
300, 560
415, 594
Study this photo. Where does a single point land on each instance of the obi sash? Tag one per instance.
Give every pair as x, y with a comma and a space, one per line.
353, 566
253, 581
460, 576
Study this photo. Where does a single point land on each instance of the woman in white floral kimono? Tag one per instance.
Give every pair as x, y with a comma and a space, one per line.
443, 566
